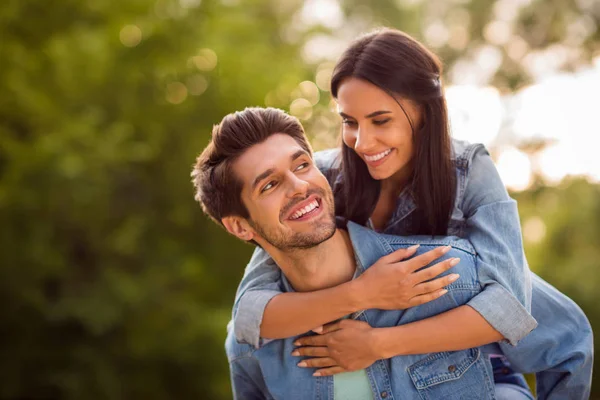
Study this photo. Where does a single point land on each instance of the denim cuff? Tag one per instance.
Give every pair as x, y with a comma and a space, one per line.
504, 312
249, 315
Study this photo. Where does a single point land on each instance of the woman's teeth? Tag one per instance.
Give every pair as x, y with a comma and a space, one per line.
307, 209
379, 156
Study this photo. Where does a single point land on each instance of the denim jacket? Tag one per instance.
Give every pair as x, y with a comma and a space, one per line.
484, 214
559, 351
270, 372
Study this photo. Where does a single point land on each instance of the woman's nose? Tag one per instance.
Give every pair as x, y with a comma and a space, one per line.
363, 141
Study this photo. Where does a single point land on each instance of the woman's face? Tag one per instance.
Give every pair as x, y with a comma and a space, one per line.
375, 126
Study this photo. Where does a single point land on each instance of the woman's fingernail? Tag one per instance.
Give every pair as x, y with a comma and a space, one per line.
411, 248
302, 364
443, 292
446, 249
454, 261
453, 277
295, 353
317, 374
297, 343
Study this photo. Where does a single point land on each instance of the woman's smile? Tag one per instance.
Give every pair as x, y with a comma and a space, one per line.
375, 160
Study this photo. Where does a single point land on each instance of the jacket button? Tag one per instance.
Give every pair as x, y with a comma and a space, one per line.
452, 368
384, 394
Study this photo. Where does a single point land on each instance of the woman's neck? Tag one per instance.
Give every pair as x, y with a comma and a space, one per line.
391, 188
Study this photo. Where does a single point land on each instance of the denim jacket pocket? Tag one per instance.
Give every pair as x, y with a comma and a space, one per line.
453, 375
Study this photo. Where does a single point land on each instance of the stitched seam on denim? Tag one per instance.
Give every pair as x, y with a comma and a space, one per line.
423, 383
385, 377
463, 287
468, 157
385, 244
438, 242
372, 380
488, 381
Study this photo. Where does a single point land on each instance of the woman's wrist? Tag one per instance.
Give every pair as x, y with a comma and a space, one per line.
358, 298
387, 342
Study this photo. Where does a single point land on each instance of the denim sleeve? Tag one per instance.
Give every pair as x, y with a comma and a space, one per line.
259, 285
494, 230
560, 351
246, 379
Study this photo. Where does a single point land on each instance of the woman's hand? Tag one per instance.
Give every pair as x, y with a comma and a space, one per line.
394, 284
342, 346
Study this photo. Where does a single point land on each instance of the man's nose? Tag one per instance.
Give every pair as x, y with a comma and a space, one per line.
296, 186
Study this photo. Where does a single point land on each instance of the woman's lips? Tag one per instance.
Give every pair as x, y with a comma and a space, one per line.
377, 159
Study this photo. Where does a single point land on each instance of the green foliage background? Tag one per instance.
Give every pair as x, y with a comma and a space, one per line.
113, 285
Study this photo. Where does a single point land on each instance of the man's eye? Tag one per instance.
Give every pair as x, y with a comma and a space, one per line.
302, 166
268, 186
381, 121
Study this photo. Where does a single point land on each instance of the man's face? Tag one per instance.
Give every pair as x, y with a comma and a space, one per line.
289, 200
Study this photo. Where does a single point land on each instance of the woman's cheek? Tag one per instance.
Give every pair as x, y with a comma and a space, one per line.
349, 139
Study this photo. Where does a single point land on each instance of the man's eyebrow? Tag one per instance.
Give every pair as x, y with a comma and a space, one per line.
269, 171
298, 154
261, 177
373, 114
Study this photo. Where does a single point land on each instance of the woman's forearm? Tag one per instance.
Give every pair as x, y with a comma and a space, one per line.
457, 329
291, 314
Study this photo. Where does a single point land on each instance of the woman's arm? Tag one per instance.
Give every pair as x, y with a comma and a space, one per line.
350, 345
493, 228
390, 283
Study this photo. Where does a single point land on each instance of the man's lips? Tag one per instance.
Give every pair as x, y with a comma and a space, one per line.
303, 204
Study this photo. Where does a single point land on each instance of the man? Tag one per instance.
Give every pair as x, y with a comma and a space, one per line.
257, 178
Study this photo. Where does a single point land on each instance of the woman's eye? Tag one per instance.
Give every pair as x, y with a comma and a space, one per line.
380, 121
349, 122
268, 186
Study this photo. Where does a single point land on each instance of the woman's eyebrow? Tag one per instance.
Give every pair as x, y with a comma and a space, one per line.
371, 115
376, 113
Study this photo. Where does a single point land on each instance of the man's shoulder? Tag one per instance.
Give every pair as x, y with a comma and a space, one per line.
369, 245
328, 159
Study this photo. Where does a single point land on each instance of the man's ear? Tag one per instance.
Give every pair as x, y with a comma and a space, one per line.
239, 227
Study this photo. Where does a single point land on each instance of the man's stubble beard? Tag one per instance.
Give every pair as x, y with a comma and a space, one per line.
323, 230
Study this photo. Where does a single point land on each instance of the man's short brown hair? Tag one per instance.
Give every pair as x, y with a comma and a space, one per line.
217, 188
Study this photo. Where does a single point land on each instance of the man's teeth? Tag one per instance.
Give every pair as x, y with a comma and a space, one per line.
379, 156
314, 204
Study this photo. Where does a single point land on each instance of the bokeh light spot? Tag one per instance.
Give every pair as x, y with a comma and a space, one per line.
176, 92
515, 169
197, 84
534, 230
301, 108
206, 60
130, 35
323, 76
307, 90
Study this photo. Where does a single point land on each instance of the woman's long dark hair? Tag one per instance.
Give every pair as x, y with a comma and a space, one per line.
401, 66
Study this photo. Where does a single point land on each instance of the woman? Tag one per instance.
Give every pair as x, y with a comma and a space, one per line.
401, 174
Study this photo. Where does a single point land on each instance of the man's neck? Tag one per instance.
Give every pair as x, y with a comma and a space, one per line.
325, 265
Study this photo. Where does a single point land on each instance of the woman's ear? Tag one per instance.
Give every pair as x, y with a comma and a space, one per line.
238, 227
